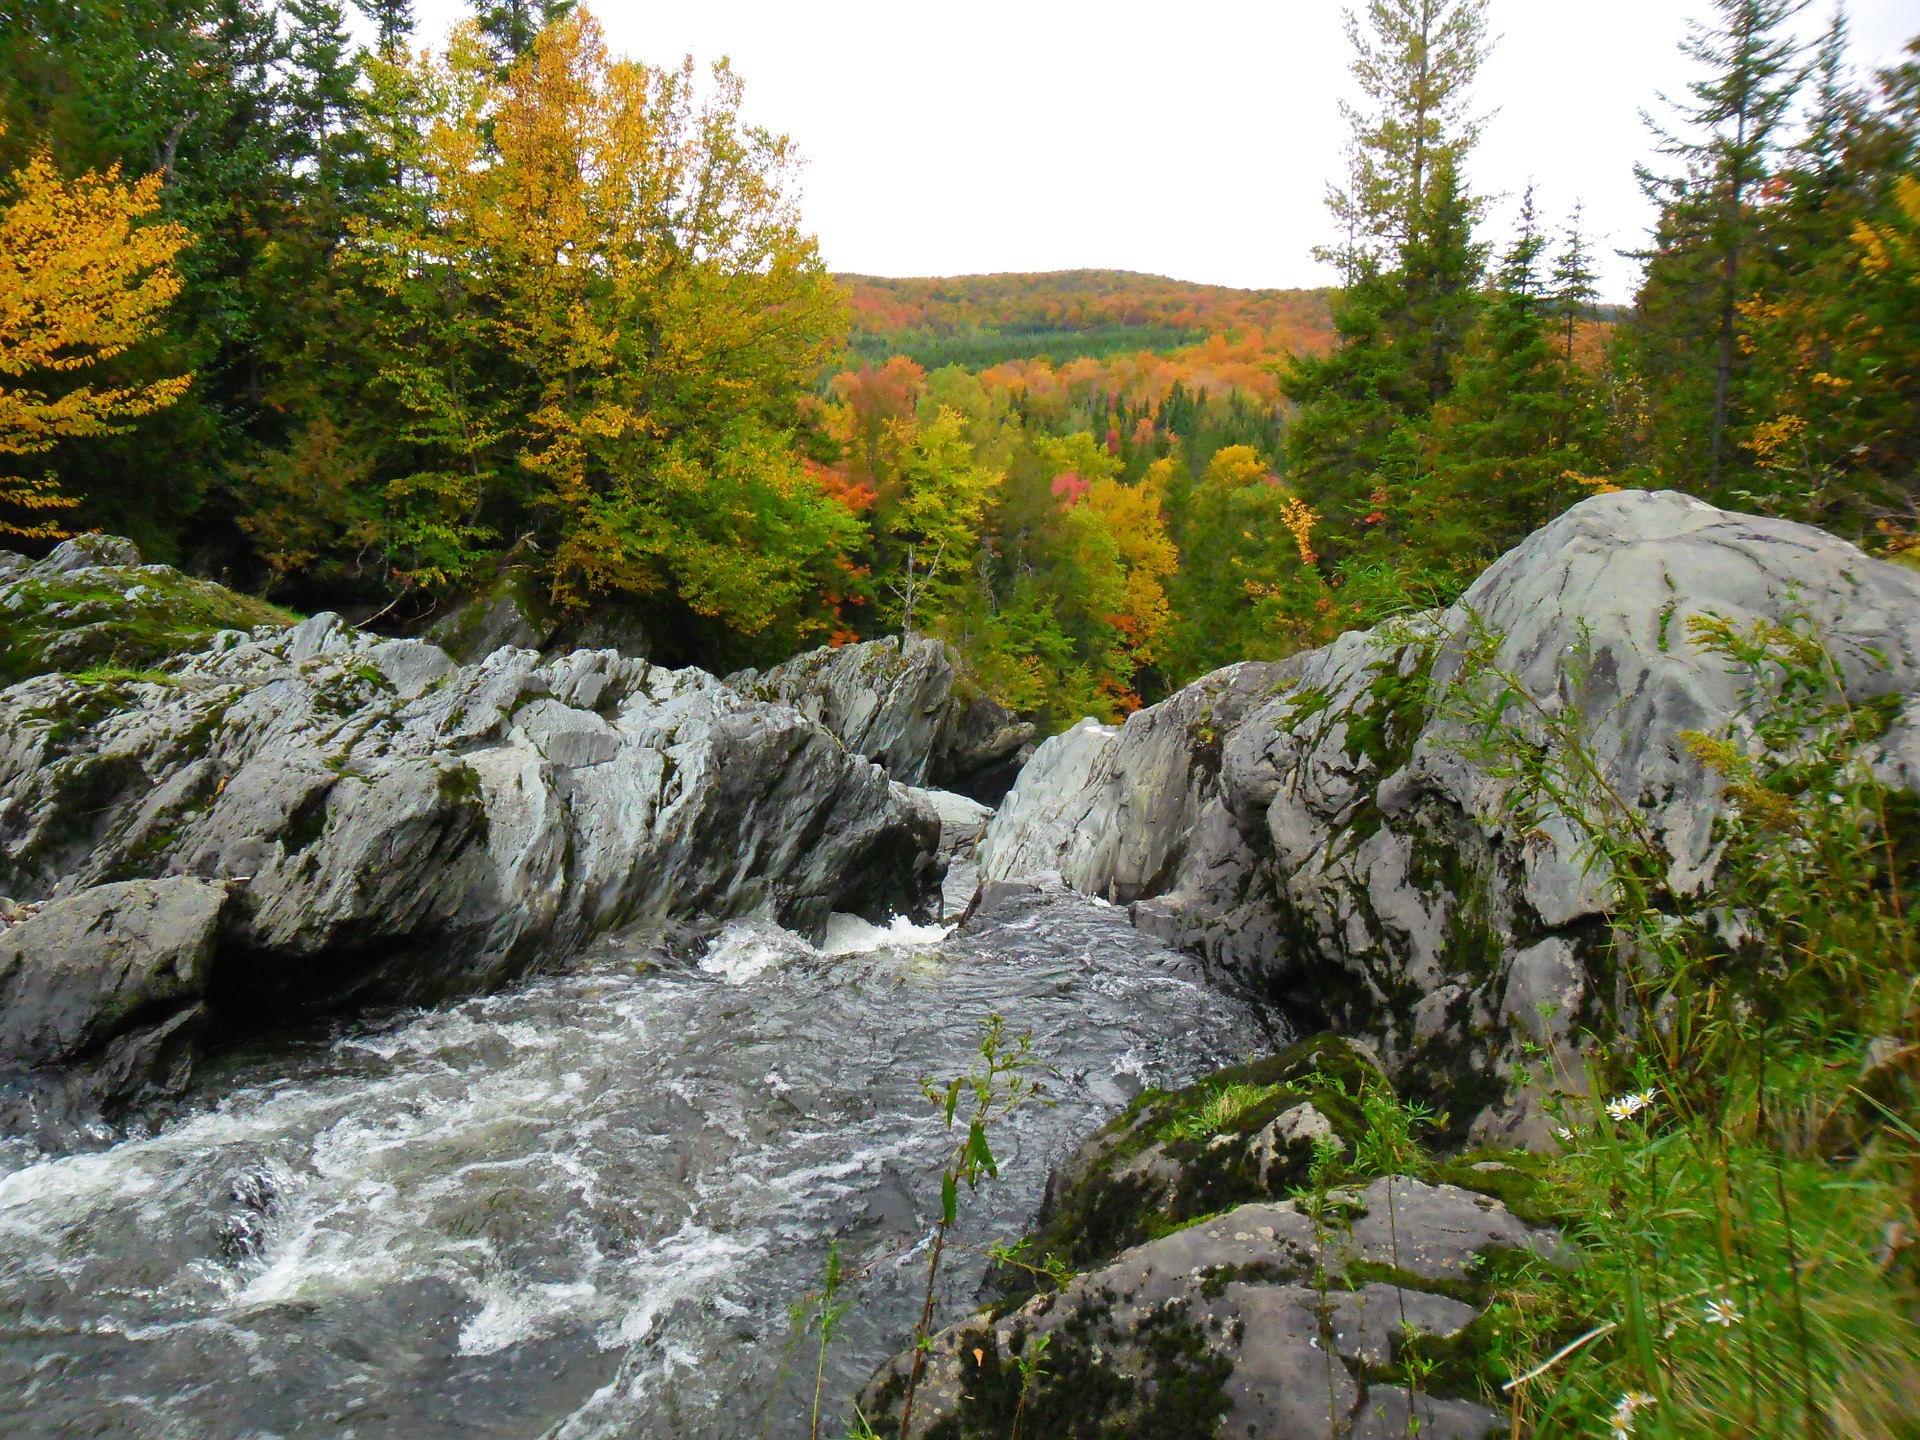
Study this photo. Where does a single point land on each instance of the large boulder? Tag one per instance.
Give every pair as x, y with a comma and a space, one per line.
1270, 1321
1334, 840
905, 705
112, 978
399, 828
512, 609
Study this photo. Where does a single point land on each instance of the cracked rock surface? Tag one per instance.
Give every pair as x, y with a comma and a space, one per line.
905, 705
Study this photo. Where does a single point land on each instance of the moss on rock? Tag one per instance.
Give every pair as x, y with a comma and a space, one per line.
1173, 1157
116, 622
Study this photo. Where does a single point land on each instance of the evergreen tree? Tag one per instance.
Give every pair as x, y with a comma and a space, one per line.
510, 25
1710, 253
1520, 419
393, 23
1411, 269
1575, 285
1832, 345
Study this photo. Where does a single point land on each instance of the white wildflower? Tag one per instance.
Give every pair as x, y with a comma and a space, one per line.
1624, 1410
1722, 1313
1564, 1133
1628, 1106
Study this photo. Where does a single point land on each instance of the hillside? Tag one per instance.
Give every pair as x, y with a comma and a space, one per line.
978, 321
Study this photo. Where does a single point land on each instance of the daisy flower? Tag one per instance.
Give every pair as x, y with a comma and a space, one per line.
1628, 1106
1722, 1313
1624, 1409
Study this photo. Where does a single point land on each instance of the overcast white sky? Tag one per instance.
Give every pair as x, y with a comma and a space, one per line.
1191, 140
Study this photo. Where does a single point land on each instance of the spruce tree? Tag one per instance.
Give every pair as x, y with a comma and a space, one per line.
1521, 418
393, 23
1709, 253
1409, 266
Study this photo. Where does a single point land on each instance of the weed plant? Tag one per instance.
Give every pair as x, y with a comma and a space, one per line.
1742, 1184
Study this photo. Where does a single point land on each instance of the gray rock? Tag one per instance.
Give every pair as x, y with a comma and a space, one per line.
906, 706
1366, 1322
411, 667
1114, 811
86, 552
1329, 835
508, 613
1392, 1413
962, 822
111, 979
1254, 1303
1436, 1231
411, 829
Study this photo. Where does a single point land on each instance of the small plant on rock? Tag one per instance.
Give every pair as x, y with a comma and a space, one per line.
998, 1085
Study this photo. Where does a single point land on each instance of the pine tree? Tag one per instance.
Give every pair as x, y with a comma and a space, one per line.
1709, 252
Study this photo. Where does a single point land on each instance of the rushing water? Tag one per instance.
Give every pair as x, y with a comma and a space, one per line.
579, 1208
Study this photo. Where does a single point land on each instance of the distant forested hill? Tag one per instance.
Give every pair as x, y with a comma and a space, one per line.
977, 321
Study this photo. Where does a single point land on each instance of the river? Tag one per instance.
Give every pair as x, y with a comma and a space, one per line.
583, 1206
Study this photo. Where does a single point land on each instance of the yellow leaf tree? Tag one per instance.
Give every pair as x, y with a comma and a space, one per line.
607, 312
81, 281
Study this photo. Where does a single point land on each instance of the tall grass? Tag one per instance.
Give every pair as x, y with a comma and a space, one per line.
1743, 1182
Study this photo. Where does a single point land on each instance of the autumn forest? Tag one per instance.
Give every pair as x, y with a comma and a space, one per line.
376, 327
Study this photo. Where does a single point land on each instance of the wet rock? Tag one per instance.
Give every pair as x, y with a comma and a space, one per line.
1327, 834
1263, 1322
100, 1000
91, 966
962, 822
409, 828
905, 705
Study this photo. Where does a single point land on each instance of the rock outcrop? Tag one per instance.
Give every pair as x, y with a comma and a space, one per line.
383, 825
905, 705
512, 610
92, 604
1264, 1322
111, 979
1320, 826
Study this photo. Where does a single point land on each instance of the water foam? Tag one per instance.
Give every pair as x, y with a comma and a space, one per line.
850, 935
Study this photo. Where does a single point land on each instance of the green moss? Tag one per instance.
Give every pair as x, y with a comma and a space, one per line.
307, 823
1523, 1183
1162, 1379
1174, 1158
1385, 727
1521, 1321
85, 624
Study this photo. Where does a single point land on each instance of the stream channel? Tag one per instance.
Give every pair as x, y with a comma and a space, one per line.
580, 1207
